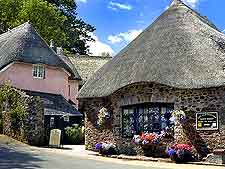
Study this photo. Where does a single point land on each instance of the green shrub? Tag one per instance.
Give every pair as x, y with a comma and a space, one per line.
74, 135
1, 124
13, 101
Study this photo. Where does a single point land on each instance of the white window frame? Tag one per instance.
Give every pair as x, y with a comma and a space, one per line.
38, 71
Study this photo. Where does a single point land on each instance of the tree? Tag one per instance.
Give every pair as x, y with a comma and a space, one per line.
105, 54
53, 19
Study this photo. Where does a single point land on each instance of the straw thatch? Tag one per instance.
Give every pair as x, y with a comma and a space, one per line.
24, 44
180, 49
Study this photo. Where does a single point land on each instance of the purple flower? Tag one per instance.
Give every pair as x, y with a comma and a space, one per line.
145, 142
156, 141
171, 152
98, 146
183, 120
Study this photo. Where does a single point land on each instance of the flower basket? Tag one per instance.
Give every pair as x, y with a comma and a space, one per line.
106, 148
153, 144
181, 153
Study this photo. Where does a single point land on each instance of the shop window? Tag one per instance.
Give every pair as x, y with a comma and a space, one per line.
39, 71
145, 118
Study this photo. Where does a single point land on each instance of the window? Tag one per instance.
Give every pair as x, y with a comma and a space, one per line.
52, 122
145, 118
39, 71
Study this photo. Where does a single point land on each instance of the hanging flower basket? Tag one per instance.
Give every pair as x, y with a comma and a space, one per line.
102, 117
179, 116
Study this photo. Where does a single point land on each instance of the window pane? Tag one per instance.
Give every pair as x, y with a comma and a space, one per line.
145, 118
128, 122
38, 71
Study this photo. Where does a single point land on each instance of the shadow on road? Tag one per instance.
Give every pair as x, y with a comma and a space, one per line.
15, 159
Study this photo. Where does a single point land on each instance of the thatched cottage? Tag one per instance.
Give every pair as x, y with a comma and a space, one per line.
177, 63
30, 64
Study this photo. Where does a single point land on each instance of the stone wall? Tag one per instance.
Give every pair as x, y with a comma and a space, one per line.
189, 100
31, 129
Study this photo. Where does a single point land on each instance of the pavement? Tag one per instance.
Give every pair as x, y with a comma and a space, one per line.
16, 155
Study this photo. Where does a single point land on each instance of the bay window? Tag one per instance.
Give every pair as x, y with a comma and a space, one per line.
145, 118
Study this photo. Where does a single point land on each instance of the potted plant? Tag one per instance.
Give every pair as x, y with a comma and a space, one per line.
180, 153
106, 148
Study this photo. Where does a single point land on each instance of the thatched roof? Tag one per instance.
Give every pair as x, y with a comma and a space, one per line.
180, 49
24, 44
88, 65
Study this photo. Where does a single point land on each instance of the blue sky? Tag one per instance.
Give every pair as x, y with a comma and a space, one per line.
118, 22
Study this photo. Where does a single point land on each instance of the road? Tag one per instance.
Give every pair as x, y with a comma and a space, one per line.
20, 157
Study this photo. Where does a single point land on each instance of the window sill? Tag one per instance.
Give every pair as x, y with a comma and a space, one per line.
38, 77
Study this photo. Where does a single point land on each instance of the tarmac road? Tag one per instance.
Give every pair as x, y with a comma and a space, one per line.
22, 157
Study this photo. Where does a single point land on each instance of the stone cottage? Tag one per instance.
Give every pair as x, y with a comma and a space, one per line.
177, 63
29, 64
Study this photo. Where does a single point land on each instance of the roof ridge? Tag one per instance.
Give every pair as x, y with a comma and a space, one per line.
203, 18
13, 31
88, 56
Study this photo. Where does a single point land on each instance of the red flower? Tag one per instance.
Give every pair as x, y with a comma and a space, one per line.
186, 147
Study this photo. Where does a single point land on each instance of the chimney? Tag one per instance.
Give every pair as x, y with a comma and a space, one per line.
59, 51
52, 45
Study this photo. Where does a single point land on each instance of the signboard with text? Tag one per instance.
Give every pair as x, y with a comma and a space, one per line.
207, 121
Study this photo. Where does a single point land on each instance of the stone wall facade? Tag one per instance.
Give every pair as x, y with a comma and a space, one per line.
189, 100
31, 129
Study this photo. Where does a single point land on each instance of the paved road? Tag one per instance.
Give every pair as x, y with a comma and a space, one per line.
13, 157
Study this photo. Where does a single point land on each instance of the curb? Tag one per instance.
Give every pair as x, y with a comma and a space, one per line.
151, 159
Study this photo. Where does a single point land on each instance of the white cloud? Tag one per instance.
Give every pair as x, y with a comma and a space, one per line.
114, 39
124, 36
167, 7
116, 5
98, 47
191, 3
84, 1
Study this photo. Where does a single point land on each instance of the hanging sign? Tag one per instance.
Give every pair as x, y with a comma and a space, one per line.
66, 118
207, 121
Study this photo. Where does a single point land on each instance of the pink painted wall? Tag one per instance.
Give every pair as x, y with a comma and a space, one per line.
73, 91
56, 80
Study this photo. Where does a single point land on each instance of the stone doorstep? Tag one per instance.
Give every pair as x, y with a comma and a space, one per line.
163, 160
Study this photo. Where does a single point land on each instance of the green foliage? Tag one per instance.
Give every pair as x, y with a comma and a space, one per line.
1, 124
53, 19
13, 101
75, 135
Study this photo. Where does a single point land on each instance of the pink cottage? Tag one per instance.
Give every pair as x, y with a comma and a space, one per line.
31, 65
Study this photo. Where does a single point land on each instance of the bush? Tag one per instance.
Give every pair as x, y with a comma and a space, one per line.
1, 126
75, 135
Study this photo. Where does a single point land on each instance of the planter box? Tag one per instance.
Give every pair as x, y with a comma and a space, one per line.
152, 150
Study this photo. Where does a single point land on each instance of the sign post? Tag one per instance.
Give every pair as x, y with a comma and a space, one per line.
207, 121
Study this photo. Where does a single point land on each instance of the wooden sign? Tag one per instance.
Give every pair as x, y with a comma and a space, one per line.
55, 138
207, 121
66, 118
